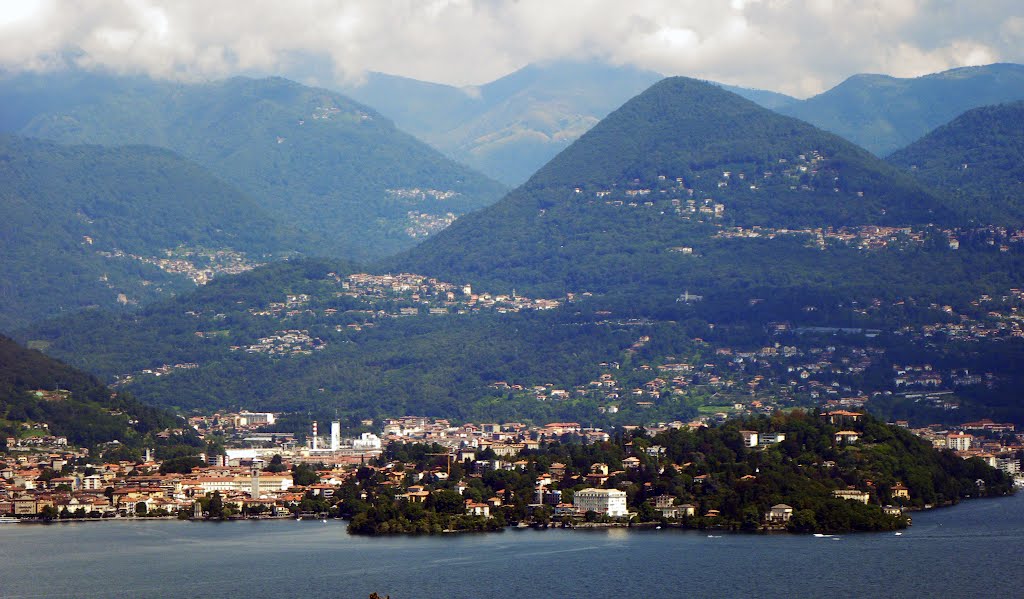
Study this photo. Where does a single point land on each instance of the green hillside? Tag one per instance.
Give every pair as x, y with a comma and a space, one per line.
314, 159
978, 157
753, 256
670, 169
883, 113
87, 224
37, 390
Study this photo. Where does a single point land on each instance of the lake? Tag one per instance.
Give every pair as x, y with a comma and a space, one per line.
973, 549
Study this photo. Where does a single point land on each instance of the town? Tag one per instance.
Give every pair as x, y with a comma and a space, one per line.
483, 475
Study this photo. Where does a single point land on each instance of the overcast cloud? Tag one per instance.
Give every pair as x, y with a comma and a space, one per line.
799, 47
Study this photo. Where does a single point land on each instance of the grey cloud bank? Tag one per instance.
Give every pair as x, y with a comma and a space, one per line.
800, 47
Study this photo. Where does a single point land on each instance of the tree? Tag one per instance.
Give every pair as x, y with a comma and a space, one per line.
216, 507
141, 508
181, 465
276, 464
304, 475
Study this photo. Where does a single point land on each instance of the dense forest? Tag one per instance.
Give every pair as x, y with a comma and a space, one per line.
978, 158
446, 365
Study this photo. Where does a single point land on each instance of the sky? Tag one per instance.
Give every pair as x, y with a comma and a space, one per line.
799, 47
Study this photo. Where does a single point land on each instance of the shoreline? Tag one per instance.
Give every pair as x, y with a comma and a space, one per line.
582, 526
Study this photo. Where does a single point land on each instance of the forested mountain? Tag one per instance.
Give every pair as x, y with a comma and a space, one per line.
37, 390
691, 230
314, 159
883, 113
85, 225
690, 216
668, 170
979, 157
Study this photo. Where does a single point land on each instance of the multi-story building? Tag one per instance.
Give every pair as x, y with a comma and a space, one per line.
610, 502
959, 441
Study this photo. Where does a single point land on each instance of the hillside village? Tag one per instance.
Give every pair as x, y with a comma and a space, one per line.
199, 265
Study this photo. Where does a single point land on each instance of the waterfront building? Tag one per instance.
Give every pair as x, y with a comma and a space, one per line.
610, 502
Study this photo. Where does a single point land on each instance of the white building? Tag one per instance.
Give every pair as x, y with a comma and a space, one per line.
366, 442
335, 435
267, 483
610, 502
246, 418
958, 441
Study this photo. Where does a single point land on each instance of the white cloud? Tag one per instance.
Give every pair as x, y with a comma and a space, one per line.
796, 46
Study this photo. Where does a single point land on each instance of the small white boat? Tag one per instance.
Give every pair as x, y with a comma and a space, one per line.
8, 520
821, 536
898, 534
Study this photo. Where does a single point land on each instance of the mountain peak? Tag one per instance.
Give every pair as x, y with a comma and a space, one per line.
668, 169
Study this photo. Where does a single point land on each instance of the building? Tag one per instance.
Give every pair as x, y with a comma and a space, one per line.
779, 514
366, 442
749, 438
771, 438
844, 437
246, 418
851, 495
610, 502
900, 490
335, 435
959, 441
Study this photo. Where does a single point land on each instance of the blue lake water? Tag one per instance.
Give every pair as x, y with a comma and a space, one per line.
974, 549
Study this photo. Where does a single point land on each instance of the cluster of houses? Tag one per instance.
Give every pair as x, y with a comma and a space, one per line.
135, 489
996, 443
423, 224
292, 342
183, 261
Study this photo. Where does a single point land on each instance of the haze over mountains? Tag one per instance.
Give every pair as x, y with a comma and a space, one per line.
882, 113
512, 126
313, 159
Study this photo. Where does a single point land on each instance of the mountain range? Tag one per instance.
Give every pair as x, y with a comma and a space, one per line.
883, 113
512, 126
314, 160
690, 216
659, 173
